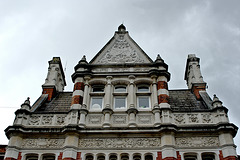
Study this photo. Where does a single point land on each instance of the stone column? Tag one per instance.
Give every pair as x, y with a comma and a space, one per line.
86, 91
107, 113
77, 97
82, 121
12, 152
108, 92
168, 144
131, 92
132, 117
156, 109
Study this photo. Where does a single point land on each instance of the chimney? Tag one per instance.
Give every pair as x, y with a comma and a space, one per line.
193, 75
55, 81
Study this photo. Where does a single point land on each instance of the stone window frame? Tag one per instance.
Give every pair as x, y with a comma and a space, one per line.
97, 94
120, 94
190, 156
144, 94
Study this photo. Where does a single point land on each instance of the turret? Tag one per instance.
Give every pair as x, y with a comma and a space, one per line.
193, 75
55, 81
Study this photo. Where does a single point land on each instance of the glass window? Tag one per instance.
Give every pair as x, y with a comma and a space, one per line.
148, 157
137, 157
113, 157
48, 157
190, 157
96, 102
124, 157
120, 102
208, 156
101, 158
32, 157
89, 157
120, 89
143, 102
98, 89
143, 88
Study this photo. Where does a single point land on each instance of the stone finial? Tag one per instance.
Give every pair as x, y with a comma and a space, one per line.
216, 102
121, 28
26, 104
83, 60
159, 59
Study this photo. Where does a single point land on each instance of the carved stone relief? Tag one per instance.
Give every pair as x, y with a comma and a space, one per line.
197, 142
179, 119
42, 143
34, 120
121, 52
119, 119
144, 119
119, 143
60, 120
207, 118
95, 119
47, 120
193, 118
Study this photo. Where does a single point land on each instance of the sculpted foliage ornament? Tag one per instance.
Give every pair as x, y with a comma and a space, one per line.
119, 143
197, 142
42, 143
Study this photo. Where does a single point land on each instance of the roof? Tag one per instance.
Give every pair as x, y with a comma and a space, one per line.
179, 100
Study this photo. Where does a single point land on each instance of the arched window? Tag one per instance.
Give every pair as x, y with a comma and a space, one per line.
208, 156
101, 157
148, 157
190, 156
113, 157
48, 157
89, 157
124, 156
32, 157
136, 157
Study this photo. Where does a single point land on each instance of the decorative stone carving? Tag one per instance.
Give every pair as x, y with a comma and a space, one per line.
193, 118
60, 120
207, 118
95, 119
121, 52
119, 143
42, 143
47, 120
144, 119
34, 120
179, 118
119, 119
197, 142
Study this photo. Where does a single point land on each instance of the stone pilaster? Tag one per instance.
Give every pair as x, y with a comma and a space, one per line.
131, 91
107, 113
77, 97
132, 117
108, 92
70, 145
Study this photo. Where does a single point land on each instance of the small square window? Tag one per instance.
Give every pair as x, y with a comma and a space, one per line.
143, 88
120, 89
98, 89
143, 102
96, 102
120, 102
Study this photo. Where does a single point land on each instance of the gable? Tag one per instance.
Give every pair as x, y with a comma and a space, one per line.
121, 49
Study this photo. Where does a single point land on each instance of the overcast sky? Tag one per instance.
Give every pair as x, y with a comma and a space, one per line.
32, 32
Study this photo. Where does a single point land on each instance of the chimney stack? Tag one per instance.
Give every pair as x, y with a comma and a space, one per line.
193, 75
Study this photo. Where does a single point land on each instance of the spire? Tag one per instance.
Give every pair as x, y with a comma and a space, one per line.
83, 60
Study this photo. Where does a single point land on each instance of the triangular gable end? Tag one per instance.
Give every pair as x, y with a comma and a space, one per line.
121, 49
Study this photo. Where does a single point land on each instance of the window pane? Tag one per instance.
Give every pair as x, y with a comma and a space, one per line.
49, 158
143, 89
96, 102
143, 102
120, 89
120, 102
98, 89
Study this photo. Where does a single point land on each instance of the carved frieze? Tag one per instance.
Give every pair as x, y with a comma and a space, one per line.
207, 118
34, 120
193, 118
179, 119
47, 120
60, 120
42, 143
144, 119
197, 141
112, 143
95, 119
119, 119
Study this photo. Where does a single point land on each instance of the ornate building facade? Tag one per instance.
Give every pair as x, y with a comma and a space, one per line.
122, 109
